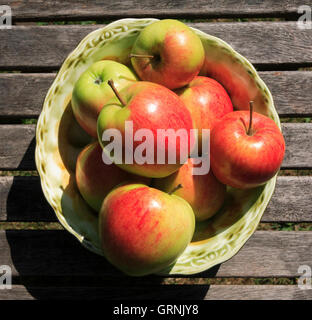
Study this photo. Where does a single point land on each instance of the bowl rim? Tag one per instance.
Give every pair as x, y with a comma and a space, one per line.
178, 267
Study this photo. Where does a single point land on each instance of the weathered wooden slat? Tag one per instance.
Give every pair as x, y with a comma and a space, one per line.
52, 253
260, 42
100, 9
17, 145
291, 91
252, 292
21, 199
175, 292
298, 137
22, 95
291, 201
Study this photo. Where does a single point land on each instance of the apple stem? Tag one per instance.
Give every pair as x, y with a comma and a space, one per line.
111, 84
179, 186
249, 131
134, 55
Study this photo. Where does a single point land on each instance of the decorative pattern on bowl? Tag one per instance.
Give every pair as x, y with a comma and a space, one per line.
60, 139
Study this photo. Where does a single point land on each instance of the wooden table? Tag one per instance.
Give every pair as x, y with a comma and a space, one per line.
51, 263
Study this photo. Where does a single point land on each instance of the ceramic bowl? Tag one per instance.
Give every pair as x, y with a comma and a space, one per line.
60, 139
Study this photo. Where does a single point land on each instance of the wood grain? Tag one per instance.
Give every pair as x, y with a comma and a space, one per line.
291, 91
23, 94
100, 9
174, 292
17, 146
57, 253
264, 43
291, 201
21, 199
298, 145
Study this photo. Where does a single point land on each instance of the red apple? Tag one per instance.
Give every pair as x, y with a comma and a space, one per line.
167, 52
204, 193
144, 230
149, 107
95, 179
207, 101
244, 153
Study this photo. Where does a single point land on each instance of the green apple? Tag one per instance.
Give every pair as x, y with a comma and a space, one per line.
144, 230
167, 52
91, 91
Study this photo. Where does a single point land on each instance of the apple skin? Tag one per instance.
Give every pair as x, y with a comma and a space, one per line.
95, 179
204, 193
178, 54
207, 101
245, 161
149, 106
91, 91
144, 230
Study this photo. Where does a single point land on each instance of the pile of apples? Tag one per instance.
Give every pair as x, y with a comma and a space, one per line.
147, 211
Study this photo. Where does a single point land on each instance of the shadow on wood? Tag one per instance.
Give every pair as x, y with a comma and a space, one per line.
36, 257
25, 201
172, 292
53, 259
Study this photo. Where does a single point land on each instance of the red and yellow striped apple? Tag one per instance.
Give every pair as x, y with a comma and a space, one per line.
204, 193
247, 149
152, 107
207, 101
95, 179
167, 52
144, 230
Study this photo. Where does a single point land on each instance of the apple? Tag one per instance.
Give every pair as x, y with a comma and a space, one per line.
247, 149
95, 179
204, 193
167, 52
144, 230
149, 107
91, 91
207, 101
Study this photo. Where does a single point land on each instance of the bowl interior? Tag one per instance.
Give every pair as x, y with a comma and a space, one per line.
60, 139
